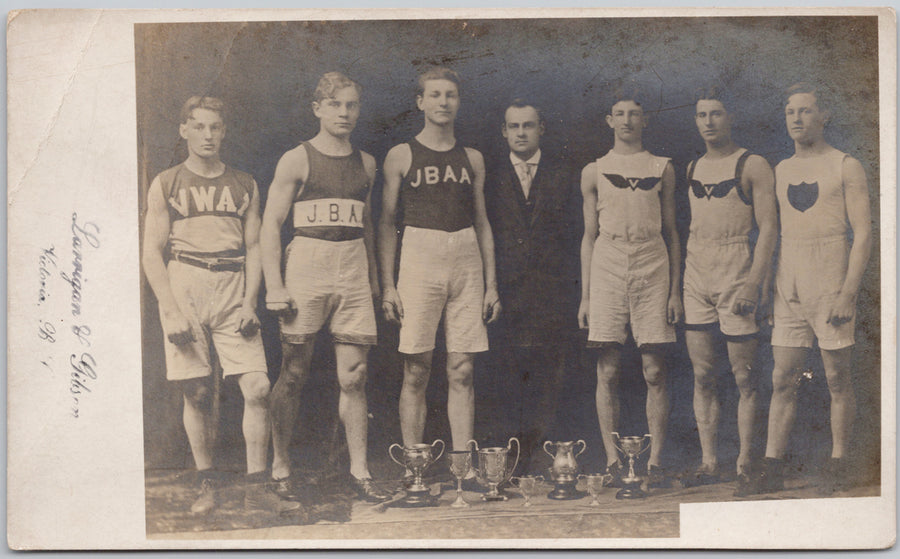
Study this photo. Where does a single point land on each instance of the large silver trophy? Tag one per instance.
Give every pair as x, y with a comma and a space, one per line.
564, 470
631, 447
416, 458
493, 467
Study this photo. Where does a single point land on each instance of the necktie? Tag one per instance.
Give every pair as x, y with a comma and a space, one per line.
525, 176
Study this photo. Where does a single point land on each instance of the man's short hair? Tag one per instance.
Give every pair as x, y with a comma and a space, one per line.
437, 73
332, 82
202, 102
521, 103
714, 93
627, 92
820, 92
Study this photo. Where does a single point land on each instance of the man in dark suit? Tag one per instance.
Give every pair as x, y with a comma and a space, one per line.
534, 207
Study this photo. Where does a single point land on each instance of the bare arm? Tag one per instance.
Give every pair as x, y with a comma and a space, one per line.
761, 179
856, 196
156, 234
675, 310
369, 228
291, 170
396, 163
491, 307
591, 229
248, 323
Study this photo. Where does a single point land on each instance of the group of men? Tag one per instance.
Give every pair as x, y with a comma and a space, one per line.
206, 250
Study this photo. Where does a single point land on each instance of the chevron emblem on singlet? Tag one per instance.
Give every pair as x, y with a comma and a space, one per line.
646, 183
803, 196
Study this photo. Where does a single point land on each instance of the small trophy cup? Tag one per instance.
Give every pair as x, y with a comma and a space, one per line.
493, 468
460, 464
631, 447
595, 483
527, 486
416, 458
564, 469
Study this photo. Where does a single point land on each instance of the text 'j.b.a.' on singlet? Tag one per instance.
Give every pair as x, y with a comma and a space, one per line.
438, 190
810, 192
720, 209
329, 205
206, 213
628, 195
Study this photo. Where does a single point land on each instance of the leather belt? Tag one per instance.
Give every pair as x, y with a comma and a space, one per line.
220, 266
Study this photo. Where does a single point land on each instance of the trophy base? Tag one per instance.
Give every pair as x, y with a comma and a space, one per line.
631, 491
565, 492
416, 499
495, 497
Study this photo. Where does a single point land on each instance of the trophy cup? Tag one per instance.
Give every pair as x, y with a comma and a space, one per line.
493, 467
564, 469
460, 464
416, 458
527, 485
595, 483
632, 447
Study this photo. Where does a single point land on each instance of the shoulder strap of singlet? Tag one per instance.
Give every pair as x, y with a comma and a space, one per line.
691, 166
739, 174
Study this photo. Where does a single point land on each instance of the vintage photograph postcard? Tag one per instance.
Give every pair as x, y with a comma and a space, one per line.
452, 278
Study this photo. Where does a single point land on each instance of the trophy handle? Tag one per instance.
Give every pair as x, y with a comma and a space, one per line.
391, 454
583, 447
619, 448
441, 453
518, 452
546, 444
646, 448
472, 442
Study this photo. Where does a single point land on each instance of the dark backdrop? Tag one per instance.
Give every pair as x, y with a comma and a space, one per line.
266, 73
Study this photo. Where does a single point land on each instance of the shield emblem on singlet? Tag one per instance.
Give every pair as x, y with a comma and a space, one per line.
803, 196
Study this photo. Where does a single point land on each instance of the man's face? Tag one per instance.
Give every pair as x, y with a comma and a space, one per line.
627, 120
338, 114
522, 131
203, 132
713, 121
439, 101
805, 122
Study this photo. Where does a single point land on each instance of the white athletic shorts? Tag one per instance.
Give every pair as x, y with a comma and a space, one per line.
329, 283
211, 303
629, 285
810, 275
441, 273
714, 271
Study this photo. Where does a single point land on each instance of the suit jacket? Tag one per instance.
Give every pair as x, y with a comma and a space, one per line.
537, 244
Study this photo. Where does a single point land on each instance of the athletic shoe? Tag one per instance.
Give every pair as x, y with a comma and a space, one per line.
615, 473
286, 488
657, 478
705, 474
769, 479
258, 495
207, 499
367, 491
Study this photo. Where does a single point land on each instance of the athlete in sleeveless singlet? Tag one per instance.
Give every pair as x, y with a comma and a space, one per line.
731, 192
329, 278
205, 215
630, 257
823, 201
447, 258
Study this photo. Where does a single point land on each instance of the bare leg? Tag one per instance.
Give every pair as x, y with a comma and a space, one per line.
843, 399
285, 401
352, 405
416, 372
607, 399
657, 402
460, 397
702, 351
196, 418
742, 355
255, 389
783, 409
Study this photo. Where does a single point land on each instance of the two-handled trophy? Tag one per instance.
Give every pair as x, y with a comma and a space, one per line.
493, 467
631, 447
527, 486
595, 484
416, 458
564, 471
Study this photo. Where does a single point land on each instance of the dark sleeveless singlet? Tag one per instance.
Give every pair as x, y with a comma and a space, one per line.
327, 206
437, 191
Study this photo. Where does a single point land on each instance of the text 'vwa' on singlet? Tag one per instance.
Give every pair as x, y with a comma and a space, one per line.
628, 195
720, 209
330, 204
206, 214
810, 194
438, 190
